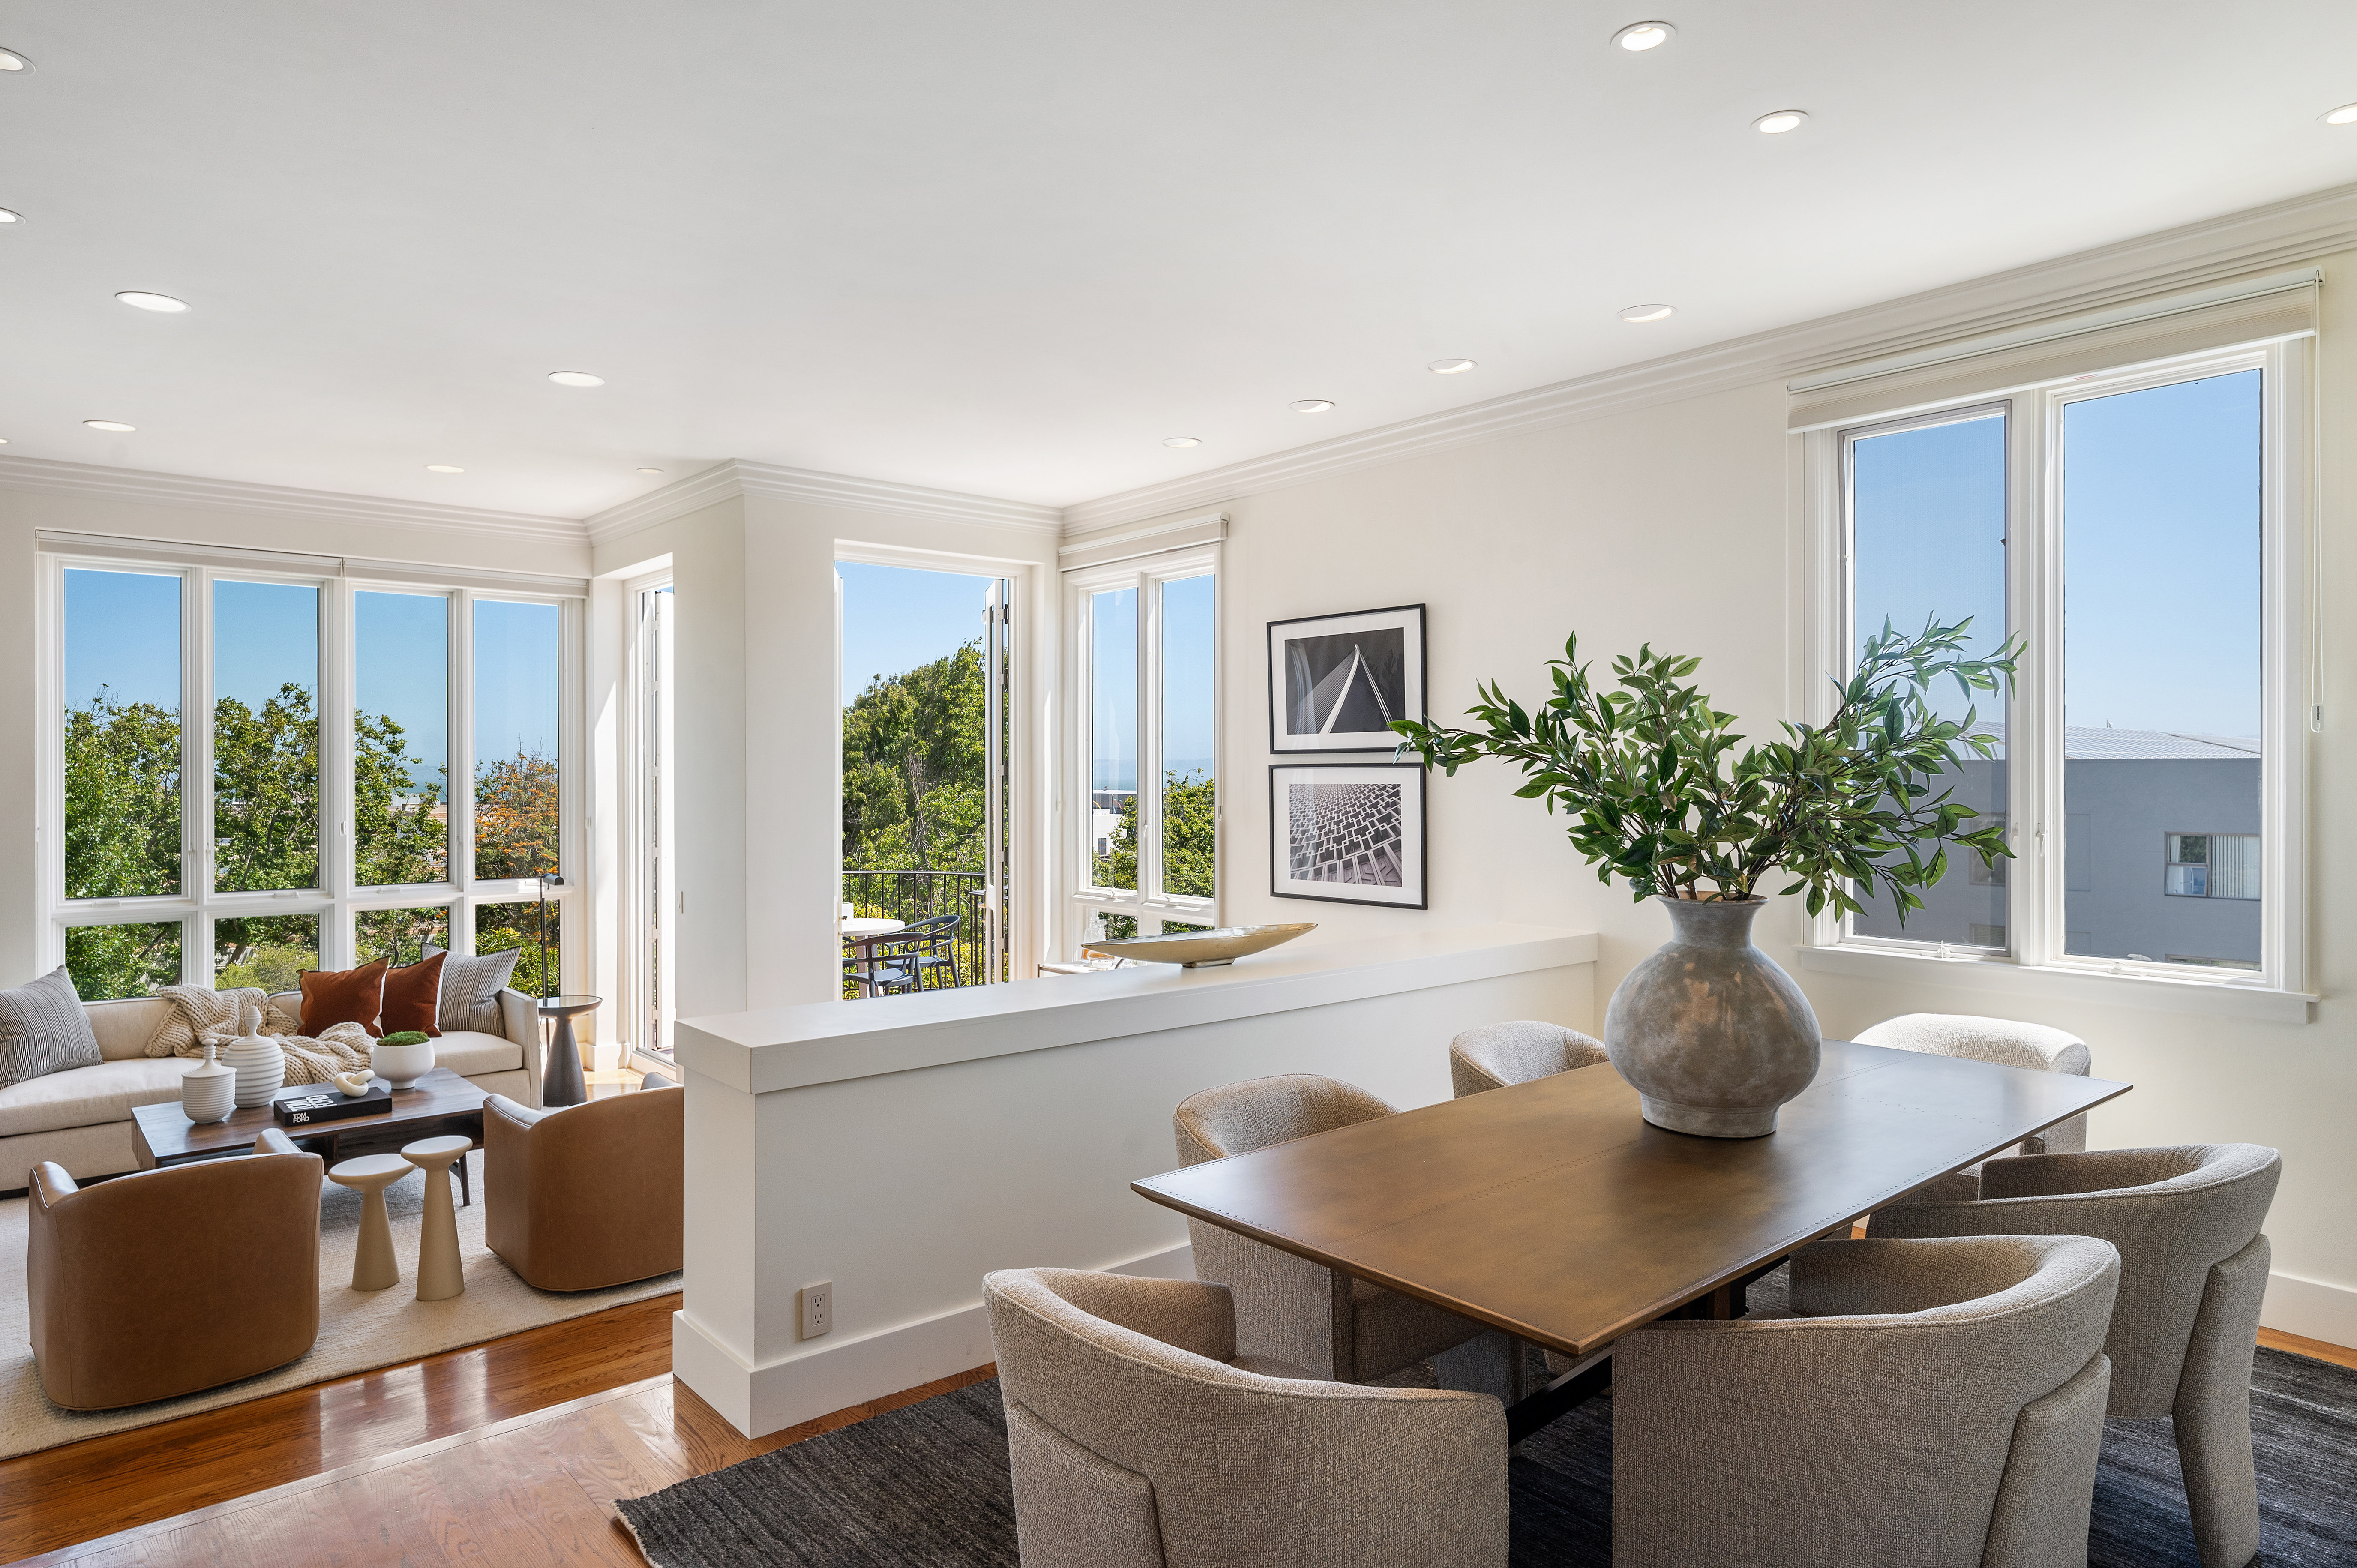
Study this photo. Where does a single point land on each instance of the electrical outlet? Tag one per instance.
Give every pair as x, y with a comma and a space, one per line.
817, 1304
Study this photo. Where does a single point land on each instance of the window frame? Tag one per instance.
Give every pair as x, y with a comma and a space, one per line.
337, 897
1149, 904
2035, 810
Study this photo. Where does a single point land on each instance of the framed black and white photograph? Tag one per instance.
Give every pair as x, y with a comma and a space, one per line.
1336, 683
1348, 832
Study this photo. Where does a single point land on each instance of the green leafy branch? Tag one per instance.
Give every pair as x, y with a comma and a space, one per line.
1658, 795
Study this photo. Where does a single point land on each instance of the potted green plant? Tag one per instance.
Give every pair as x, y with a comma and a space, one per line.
1713, 1036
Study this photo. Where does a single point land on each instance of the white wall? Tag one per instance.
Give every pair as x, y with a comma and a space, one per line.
902, 1147
758, 712
1678, 525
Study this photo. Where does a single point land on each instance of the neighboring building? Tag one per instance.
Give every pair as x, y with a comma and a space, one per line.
1105, 816
2160, 845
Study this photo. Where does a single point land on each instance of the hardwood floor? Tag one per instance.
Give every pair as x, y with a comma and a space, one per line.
537, 1488
103, 1485
2322, 1350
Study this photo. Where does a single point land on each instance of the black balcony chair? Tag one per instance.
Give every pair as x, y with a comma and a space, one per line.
869, 965
927, 947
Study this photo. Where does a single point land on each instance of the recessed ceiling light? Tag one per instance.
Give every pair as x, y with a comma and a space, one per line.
108, 424
1640, 36
650, 470
1644, 312
575, 379
1182, 440
11, 60
444, 469
1311, 405
1781, 121
3, 441
1449, 367
141, 300
2344, 115
8, 217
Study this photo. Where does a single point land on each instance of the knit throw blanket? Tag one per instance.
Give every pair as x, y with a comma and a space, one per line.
201, 1017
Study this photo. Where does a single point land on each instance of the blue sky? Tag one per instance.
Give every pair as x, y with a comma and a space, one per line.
895, 619
123, 631
2160, 567
2160, 550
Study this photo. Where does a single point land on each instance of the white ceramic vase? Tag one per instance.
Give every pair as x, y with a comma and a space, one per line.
402, 1066
207, 1090
258, 1060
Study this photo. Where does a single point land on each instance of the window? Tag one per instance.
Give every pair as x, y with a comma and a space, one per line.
2138, 532
2212, 865
1147, 758
308, 823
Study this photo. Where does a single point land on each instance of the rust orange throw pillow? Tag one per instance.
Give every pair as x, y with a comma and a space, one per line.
410, 996
343, 997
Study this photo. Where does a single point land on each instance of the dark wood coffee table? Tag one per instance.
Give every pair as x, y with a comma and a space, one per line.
1552, 1211
440, 1104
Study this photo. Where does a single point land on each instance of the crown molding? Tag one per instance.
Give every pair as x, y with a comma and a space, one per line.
738, 477
697, 490
2282, 233
138, 485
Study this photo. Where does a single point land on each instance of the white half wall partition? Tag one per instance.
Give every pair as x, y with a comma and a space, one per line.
898, 1148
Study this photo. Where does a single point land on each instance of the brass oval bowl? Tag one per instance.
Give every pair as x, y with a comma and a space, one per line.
1202, 949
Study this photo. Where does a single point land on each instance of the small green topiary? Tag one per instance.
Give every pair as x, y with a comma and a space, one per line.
408, 1038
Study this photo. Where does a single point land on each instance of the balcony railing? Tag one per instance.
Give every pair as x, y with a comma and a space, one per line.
912, 896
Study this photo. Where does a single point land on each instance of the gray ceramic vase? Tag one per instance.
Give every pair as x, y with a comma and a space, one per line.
1712, 1035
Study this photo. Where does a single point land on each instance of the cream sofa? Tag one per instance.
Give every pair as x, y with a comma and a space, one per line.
81, 1118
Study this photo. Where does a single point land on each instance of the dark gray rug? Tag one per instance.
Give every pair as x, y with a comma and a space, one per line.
926, 1488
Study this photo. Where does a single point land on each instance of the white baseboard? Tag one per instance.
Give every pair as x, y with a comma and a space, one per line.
761, 1399
2312, 1309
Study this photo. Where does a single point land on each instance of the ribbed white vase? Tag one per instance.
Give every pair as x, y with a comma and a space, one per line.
258, 1060
206, 1091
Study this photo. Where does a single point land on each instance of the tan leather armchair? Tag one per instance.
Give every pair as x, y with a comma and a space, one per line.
585, 1195
161, 1283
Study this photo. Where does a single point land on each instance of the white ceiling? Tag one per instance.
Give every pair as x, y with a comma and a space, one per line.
1008, 249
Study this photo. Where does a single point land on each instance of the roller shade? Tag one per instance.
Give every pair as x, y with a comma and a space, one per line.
2252, 310
1112, 544
236, 557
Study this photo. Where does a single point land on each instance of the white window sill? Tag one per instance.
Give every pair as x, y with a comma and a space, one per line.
2155, 993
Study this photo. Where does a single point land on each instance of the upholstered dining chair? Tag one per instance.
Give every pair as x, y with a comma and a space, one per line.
1496, 1054
2032, 1046
1293, 1313
174, 1280
1929, 1404
539, 1165
2193, 1272
1138, 1437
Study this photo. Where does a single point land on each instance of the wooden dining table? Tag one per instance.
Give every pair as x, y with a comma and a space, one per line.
1552, 1211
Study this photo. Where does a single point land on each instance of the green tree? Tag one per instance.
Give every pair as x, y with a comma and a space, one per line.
401, 833
266, 793
1190, 836
122, 799
912, 768
515, 816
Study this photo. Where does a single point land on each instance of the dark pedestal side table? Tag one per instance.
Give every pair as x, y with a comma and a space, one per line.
561, 1082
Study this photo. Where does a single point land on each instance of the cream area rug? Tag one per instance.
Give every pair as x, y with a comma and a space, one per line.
359, 1330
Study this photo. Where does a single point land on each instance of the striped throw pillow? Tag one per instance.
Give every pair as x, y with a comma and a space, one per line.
43, 1030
